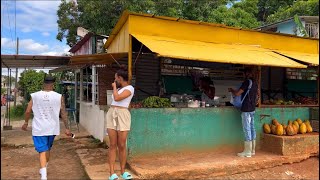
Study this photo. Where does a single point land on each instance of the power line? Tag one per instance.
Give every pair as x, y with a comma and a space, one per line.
10, 24
15, 21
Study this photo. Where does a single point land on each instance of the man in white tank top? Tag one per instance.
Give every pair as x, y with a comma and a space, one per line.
46, 106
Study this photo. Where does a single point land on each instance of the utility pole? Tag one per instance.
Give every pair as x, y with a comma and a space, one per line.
16, 80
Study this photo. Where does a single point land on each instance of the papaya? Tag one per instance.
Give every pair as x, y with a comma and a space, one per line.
307, 122
279, 130
266, 128
296, 123
289, 122
273, 129
309, 128
303, 128
299, 121
295, 129
290, 130
284, 126
275, 122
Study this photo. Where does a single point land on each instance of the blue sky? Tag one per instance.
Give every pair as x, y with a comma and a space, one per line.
36, 27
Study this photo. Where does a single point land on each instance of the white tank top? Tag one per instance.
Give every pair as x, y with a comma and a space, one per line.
46, 110
124, 102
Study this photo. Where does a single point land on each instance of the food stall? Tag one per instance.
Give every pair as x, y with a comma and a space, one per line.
164, 66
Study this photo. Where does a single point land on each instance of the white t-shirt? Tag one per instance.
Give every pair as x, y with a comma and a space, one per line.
124, 102
46, 109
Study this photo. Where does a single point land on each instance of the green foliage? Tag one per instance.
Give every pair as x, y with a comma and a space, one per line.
18, 111
300, 8
300, 27
156, 102
100, 16
31, 81
3, 91
241, 14
268, 7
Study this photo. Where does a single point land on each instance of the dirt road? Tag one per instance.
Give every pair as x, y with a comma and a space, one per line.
23, 163
308, 169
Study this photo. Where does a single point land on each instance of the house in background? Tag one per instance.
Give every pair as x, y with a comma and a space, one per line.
87, 93
307, 84
288, 26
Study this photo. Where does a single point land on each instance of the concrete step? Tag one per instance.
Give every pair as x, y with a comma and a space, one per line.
95, 163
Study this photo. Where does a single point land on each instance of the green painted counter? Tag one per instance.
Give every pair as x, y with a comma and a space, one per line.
157, 130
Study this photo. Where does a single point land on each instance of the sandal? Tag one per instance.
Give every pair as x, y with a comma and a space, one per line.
113, 177
126, 175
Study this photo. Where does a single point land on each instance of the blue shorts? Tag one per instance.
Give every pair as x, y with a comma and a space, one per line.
43, 143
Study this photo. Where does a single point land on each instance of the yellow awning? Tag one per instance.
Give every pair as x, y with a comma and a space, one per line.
105, 58
312, 59
211, 52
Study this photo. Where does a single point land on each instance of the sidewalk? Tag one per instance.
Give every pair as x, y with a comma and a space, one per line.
205, 165
184, 165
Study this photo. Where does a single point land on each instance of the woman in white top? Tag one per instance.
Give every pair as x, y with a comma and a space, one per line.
119, 121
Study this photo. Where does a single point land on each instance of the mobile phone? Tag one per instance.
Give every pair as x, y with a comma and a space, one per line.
73, 135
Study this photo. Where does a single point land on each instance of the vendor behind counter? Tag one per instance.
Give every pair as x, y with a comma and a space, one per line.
208, 90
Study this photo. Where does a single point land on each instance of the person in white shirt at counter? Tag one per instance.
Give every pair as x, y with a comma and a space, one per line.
208, 90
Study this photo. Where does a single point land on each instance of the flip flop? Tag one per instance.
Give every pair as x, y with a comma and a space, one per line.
113, 177
126, 175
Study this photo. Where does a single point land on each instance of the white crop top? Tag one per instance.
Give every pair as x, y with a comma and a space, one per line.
124, 102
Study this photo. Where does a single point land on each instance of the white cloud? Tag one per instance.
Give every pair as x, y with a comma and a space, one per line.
31, 45
57, 51
45, 34
25, 45
31, 16
7, 43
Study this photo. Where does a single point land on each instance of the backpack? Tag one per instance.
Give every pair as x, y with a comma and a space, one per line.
236, 100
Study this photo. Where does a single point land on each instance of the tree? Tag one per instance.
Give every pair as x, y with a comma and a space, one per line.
100, 16
6, 78
68, 21
241, 14
300, 8
268, 7
31, 81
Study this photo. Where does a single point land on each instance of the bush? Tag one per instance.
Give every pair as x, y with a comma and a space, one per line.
17, 112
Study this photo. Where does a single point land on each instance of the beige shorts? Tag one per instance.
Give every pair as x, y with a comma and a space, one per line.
118, 119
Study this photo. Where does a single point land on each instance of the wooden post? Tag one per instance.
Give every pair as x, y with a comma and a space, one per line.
130, 58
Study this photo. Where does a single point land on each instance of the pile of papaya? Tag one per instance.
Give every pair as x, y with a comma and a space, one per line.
292, 128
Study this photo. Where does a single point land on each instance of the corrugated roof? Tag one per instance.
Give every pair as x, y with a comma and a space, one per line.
34, 61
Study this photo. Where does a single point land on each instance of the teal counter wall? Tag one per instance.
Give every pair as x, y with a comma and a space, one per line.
158, 130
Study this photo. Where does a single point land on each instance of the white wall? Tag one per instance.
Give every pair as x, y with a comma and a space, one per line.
222, 86
92, 119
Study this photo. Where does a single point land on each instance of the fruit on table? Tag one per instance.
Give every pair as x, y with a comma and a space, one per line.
273, 129
275, 122
266, 128
295, 129
306, 121
279, 130
284, 126
284, 131
296, 123
289, 122
303, 128
299, 121
309, 128
290, 130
